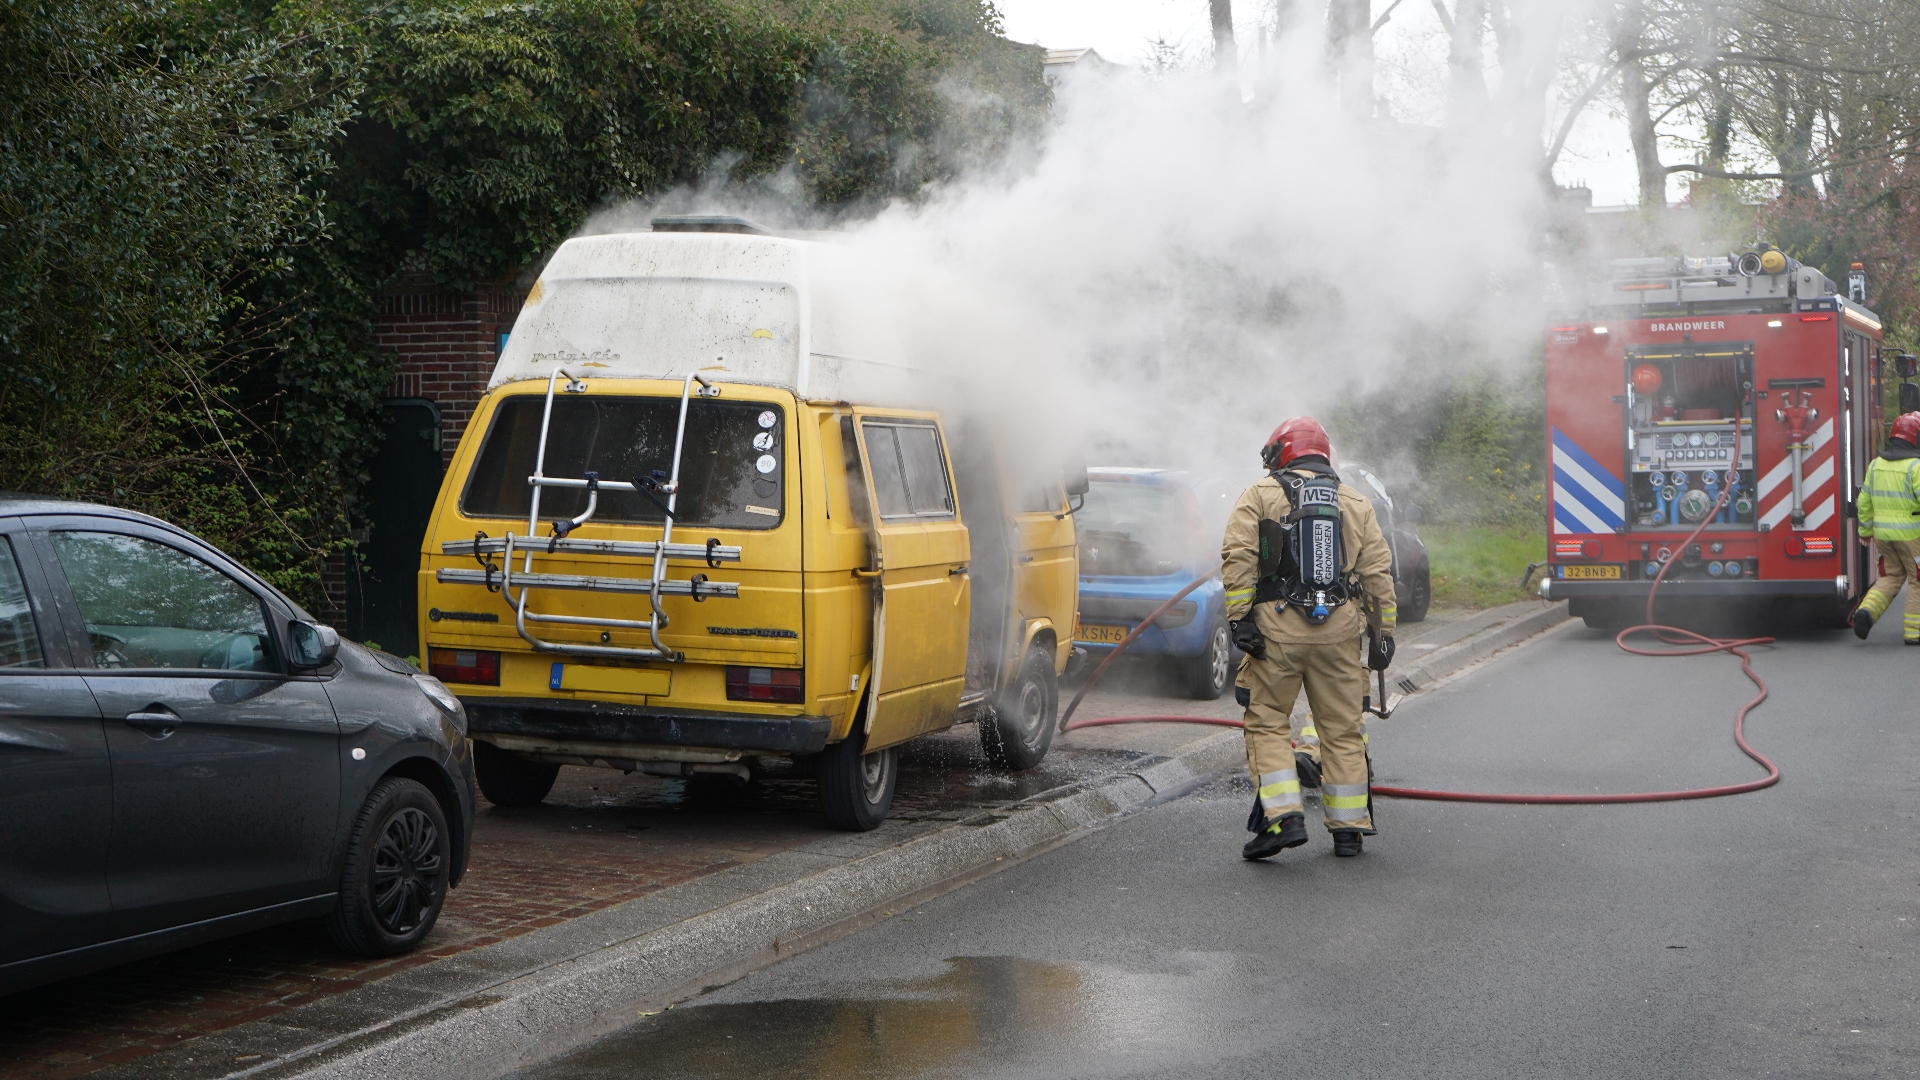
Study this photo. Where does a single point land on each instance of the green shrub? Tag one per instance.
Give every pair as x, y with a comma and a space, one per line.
1480, 566
201, 202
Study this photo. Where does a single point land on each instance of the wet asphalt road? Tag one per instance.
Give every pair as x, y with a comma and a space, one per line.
1769, 935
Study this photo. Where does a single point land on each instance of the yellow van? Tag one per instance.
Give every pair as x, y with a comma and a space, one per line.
704, 519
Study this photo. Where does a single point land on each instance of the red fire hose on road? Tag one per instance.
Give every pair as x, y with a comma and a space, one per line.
1685, 642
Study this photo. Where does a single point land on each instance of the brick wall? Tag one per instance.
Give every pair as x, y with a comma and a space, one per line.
447, 343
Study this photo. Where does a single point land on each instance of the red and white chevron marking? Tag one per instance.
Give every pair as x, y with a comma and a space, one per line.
1819, 484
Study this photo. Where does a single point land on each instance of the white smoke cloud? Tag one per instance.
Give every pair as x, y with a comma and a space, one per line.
1180, 270
1185, 263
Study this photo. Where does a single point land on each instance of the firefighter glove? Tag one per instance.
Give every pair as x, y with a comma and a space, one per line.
1380, 651
1247, 637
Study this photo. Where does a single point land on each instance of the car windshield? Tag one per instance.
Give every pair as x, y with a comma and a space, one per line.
1135, 530
731, 472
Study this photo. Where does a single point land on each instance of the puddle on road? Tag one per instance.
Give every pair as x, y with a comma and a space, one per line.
982, 1016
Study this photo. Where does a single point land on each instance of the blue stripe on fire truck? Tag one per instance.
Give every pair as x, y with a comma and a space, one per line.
1586, 497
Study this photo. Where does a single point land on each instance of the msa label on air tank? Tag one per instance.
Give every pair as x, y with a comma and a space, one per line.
1675, 327
1311, 495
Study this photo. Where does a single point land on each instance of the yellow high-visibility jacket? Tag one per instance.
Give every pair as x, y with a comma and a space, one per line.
1889, 506
1367, 555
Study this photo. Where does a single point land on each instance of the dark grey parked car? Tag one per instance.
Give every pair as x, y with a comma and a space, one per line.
185, 754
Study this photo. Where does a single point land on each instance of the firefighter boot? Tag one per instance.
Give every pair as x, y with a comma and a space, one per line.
1862, 623
1285, 831
1346, 843
1308, 769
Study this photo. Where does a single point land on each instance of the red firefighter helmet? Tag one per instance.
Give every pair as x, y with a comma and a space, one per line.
1906, 428
1294, 438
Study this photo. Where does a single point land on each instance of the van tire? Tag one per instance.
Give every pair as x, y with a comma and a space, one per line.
1017, 732
507, 779
856, 789
1209, 674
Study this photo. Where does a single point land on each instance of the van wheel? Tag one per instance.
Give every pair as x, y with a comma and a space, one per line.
395, 874
507, 779
1209, 673
856, 789
1018, 731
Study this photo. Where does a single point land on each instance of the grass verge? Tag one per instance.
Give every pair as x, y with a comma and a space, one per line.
1480, 566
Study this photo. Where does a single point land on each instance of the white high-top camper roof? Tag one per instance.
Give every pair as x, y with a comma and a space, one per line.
805, 315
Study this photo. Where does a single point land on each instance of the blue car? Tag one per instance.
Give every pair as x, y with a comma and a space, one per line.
1144, 534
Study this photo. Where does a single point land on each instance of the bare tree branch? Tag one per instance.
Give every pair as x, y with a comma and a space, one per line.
1579, 106
1385, 15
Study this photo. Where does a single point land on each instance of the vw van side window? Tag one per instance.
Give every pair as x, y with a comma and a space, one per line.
19, 638
909, 470
856, 476
732, 467
148, 605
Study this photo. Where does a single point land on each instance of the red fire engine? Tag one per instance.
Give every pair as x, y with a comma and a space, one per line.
1748, 375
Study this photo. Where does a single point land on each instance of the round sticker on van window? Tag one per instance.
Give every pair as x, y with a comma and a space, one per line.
763, 441
766, 464
769, 418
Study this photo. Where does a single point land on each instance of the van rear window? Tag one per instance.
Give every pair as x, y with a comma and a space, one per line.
732, 470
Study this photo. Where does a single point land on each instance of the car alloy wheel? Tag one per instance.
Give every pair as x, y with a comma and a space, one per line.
406, 863
1208, 674
1220, 651
393, 879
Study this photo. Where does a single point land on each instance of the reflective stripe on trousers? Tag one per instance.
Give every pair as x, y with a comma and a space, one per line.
1901, 571
1344, 802
1280, 793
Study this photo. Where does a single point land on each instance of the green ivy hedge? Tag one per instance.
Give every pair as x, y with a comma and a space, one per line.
200, 202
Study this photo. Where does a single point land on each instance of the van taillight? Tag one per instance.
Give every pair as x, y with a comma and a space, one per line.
464, 666
763, 684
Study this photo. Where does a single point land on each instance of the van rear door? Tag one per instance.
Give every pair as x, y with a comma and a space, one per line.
921, 605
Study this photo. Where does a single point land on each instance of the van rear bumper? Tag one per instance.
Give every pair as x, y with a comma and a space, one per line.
597, 721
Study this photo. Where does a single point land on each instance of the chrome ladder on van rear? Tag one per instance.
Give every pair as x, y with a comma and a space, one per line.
515, 586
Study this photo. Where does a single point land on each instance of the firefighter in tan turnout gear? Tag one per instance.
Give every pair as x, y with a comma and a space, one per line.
1303, 563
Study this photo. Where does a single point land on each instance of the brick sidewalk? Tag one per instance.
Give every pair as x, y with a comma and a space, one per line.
601, 838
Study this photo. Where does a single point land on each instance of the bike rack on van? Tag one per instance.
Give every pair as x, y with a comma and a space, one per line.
661, 551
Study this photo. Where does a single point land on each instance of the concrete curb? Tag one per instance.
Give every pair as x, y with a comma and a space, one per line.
511, 1005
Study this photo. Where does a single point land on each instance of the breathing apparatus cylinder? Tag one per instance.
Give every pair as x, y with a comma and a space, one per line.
1301, 557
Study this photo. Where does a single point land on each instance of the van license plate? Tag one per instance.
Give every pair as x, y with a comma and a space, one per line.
594, 679
1101, 635
1606, 572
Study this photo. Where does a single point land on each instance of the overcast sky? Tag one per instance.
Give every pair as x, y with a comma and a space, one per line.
1120, 30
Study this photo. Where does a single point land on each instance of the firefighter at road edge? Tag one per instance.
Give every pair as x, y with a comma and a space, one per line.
1889, 513
1303, 555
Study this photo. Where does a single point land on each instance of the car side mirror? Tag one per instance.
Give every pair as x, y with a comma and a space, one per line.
1909, 397
311, 646
1074, 479
1410, 513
